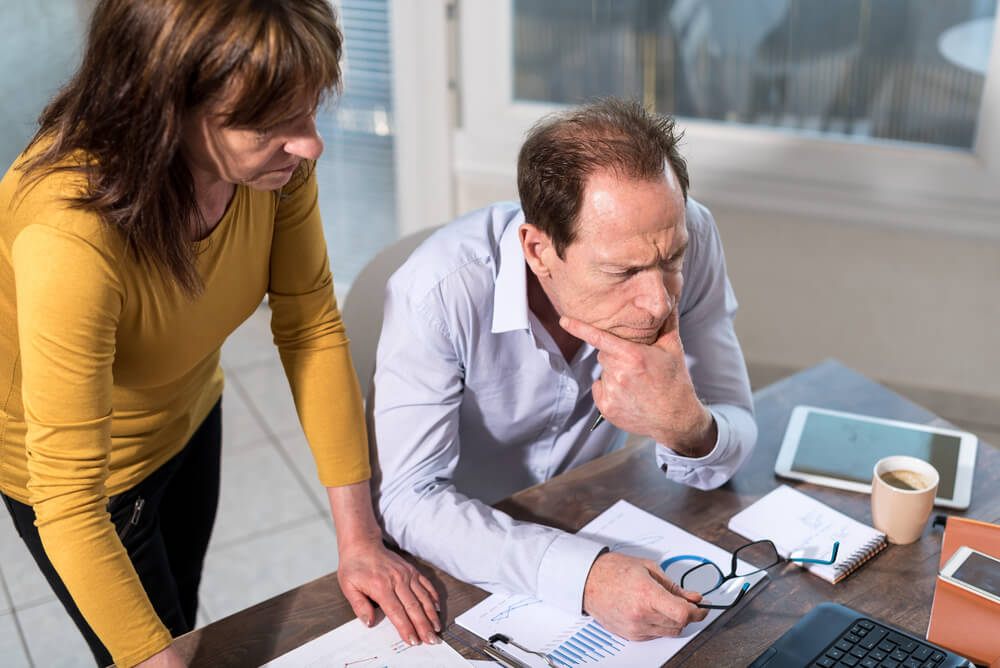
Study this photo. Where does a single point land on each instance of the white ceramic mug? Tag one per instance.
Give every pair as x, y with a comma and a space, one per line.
901, 512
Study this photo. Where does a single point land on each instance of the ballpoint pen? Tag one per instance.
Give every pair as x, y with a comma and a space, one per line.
598, 421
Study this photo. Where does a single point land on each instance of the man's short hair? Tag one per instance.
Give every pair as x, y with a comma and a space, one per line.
564, 149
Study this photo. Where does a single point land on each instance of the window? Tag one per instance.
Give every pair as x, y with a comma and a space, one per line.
41, 50
357, 184
907, 70
879, 112
356, 170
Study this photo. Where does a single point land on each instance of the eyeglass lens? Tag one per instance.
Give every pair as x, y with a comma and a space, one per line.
708, 581
755, 557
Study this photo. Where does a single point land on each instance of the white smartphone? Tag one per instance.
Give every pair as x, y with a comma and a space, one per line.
974, 571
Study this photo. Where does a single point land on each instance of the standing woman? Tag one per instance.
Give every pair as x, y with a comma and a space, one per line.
171, 186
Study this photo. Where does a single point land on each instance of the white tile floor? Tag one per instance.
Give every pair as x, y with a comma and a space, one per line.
11, 646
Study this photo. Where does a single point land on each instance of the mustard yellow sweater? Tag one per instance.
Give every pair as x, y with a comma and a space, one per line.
107, 368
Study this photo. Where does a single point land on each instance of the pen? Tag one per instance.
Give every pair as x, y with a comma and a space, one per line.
598, 421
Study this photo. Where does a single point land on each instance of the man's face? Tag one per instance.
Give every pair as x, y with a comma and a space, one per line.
622, 272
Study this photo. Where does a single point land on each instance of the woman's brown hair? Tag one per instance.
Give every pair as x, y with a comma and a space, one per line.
147, 64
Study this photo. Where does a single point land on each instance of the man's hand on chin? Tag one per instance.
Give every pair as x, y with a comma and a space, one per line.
646, 389
633, 598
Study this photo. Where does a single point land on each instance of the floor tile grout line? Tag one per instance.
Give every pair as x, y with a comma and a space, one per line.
276, 442
17, 621
248, 366
36, 603
270, 531
249, 445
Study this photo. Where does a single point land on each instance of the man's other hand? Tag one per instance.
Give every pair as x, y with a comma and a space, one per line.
633, 598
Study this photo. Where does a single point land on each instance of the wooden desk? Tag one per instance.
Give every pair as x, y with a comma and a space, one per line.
897, 586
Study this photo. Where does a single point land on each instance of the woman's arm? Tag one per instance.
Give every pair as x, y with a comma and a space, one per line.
68, 304
316, 357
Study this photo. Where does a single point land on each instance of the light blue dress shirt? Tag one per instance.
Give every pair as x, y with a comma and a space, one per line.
472, 401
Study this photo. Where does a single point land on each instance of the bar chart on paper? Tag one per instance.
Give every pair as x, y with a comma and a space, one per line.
591, 644
567, 640
572, 641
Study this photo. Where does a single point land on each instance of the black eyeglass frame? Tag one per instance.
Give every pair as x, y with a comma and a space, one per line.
746, 586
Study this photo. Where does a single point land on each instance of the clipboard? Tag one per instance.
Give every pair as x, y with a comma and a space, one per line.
960, 620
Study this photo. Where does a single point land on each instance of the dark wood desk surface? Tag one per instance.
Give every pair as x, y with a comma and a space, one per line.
897, 586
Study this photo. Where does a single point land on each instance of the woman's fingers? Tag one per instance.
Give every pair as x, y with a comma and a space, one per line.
407, 598
360, 604
427, 599
398, 615
425, 624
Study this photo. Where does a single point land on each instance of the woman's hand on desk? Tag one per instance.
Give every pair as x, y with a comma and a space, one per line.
406, 597
370, 572
633, 598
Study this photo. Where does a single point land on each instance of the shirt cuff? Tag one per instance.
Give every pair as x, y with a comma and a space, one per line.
710, 470
563, 572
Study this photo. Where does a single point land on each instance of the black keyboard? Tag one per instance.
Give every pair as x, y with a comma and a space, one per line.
868, 644
835, 636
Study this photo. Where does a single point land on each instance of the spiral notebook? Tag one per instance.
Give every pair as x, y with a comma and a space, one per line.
797, 523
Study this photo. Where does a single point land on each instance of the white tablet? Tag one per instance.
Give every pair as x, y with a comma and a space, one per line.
839, 449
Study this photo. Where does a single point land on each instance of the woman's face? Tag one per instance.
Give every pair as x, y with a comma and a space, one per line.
263, 159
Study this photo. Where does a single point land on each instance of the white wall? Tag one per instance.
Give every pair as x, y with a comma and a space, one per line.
899, 305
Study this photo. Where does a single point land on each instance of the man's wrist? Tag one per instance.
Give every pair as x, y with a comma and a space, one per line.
697, 441
589, 585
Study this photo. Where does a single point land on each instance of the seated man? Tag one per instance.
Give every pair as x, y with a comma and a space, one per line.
510, 328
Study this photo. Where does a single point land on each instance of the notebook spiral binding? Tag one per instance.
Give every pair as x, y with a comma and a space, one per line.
860, 556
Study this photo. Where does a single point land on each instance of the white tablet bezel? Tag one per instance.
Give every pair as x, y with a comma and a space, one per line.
963, 473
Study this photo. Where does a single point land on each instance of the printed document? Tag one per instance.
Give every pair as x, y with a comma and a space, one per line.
578, 640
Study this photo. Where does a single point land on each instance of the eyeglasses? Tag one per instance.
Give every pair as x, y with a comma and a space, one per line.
721, 591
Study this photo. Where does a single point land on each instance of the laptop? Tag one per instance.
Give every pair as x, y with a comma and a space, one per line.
832, 635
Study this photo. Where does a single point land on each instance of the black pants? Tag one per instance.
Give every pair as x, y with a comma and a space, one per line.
164, 523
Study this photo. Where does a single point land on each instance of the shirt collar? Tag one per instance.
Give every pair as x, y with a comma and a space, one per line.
510, 292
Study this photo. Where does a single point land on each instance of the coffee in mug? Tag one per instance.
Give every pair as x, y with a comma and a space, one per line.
903, 491
906, 479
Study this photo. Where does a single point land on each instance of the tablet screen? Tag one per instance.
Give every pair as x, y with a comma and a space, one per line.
845, 448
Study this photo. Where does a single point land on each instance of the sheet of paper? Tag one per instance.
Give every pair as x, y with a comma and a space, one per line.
572, 640
353, 645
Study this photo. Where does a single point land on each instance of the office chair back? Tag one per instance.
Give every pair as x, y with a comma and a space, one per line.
362, 309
